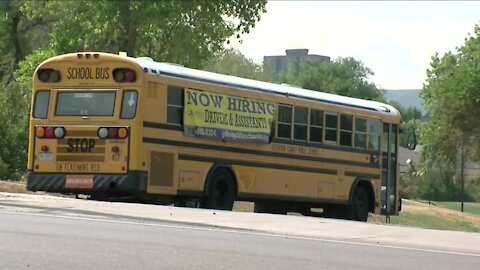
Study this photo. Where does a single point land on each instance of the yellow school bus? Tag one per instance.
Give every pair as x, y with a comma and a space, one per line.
109, 125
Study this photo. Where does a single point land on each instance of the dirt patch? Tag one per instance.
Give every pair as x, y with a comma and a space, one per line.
243, 207
13, 187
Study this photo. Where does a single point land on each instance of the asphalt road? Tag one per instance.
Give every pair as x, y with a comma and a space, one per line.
53, 239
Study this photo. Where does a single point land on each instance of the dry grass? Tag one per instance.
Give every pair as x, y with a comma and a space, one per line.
448, 214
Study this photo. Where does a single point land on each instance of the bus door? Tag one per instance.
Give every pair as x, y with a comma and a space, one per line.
389, 170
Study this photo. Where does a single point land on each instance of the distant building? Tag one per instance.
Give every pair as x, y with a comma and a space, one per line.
278, 64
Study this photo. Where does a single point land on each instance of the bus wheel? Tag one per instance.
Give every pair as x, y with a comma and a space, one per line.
360, 205
221, 192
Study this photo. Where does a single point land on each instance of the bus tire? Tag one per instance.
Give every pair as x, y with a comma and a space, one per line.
359, 208
221, 191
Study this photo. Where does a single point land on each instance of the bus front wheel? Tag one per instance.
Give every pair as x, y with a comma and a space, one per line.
359, 208
221, 191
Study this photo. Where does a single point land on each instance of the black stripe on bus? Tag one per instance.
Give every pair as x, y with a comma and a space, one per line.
234, 85
275, 140
269, 197
275, 166
363, 175
323, 146
261, 196
257, 164
256, 152
162, 126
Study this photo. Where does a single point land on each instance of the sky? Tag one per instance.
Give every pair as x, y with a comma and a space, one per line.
395, 39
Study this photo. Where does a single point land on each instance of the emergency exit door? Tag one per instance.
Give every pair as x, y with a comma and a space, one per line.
389, 186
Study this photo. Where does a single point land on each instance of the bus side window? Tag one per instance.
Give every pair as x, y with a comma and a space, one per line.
284, 123
316, 125
129, 104
374, 134
175, 105
300, 124
346, 128
360, 133
40, 107
331, 122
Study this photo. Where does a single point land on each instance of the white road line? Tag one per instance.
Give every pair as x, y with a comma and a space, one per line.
239, 231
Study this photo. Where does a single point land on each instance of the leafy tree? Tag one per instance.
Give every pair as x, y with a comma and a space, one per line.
408, 113
343, 76
410, 118
452, 100
233, 62
14, 113
184, 32
13, 119
20, 35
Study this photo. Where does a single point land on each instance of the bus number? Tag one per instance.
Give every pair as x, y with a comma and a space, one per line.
115, 157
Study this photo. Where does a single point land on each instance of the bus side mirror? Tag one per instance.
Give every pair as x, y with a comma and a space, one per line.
411, 139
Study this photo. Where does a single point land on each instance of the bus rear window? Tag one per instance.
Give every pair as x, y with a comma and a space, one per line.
85, 103
129, 104
40, 107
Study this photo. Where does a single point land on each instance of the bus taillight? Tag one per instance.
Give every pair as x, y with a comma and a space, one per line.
50, 132
102, 133
40, 132
60, 132
124, 75
48, 75
122, 133
112, 133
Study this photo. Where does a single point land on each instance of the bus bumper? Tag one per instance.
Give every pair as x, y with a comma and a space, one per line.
128, 183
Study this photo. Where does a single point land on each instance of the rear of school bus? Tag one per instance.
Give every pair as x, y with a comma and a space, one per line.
84, 126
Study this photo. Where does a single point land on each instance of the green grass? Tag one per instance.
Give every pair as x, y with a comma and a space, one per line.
427, 221
470, 208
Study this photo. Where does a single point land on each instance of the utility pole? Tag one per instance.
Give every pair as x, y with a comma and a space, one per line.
462, 161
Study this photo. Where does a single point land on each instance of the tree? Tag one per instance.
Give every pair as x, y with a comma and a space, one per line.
20, 35
452, 98
232, 62
183, 32
343, 76
14, 104
407, 113
410, 118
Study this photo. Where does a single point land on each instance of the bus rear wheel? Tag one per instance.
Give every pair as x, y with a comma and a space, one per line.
221, 191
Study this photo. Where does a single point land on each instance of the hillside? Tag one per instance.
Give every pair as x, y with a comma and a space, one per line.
406, 98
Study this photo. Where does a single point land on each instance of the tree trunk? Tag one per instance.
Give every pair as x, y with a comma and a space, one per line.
129, 26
